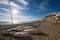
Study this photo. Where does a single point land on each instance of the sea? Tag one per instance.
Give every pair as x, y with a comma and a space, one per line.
9, 23
5, 23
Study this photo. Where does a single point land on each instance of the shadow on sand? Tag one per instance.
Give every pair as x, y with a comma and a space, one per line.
40, 34
24, 38
28, 37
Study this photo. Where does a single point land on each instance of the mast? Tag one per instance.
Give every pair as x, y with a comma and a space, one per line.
10, 13
18, 18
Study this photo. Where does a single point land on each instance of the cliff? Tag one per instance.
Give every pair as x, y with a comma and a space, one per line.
52, 18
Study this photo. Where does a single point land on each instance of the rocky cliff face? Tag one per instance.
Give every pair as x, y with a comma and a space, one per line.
54, 18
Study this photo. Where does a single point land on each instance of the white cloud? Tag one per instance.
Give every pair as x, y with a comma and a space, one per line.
6, 2
24, 2
4, 9
43, 5
16, 5
28, 18
22, 18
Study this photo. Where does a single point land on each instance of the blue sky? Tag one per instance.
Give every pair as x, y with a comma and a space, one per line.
27, 10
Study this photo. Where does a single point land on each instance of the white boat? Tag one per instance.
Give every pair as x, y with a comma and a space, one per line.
28, 27
11, 31
21, 34
33, 31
